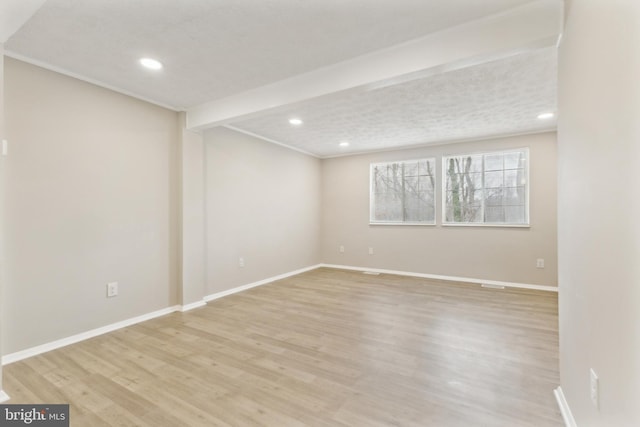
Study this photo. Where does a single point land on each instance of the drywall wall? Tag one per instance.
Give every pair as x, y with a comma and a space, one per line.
598, 211
91, 198
193, 285
2, 227
490, 253
262, 204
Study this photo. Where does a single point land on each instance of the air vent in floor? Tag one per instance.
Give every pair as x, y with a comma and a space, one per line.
487, 285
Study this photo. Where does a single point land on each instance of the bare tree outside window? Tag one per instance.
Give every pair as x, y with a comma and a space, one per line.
403, 192
489, 188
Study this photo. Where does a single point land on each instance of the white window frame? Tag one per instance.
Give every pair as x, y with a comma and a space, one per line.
372, 221
443, 189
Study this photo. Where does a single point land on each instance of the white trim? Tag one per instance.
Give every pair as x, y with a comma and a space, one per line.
80, 77
534, 24
372, 208
260, 283
43, 348
3, 396
450, 278
439, 143
192, 305
419, 224
485, 224
273, 141
567, 416
484, 153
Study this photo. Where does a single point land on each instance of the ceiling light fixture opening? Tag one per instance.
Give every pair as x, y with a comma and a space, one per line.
295, 121
544, 116
151, 63
344, 144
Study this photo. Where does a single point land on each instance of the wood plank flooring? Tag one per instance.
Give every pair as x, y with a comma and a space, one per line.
325, 348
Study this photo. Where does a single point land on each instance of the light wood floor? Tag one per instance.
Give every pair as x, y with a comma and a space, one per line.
325, 348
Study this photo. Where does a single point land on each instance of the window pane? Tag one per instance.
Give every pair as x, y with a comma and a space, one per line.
464, 207
514, 214
514, 160
426, 183
410, 169
415, 209
493, 179
403, 191
494, 214
489, 187
463, 164
514, 196
514, 178
493, 162
493, 197
387, 207
427, 167
462, 181
472, 213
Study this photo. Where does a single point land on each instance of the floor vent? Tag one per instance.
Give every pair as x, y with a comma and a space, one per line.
487, 285
371, 273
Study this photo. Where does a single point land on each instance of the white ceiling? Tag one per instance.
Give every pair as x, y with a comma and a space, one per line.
215, 49
495, 98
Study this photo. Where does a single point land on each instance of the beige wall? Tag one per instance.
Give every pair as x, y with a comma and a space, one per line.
2, 226
492, 253
599, 210
102, 187
193, 245
91, 198
263, 204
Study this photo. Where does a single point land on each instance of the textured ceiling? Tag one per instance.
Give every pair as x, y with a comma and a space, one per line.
495, 98
215, 48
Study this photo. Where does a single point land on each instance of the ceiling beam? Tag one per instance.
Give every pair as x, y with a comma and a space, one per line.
533, 25
14, 14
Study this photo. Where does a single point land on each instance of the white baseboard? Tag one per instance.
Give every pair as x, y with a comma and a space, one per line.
450, 278
260, 283
33, 351
3, 396
193, 305
567, 416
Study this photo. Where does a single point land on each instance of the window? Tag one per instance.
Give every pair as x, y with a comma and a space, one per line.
403, 192
487, 188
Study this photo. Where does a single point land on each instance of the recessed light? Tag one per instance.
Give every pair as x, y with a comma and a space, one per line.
151, 63
544, 116
344, 144
295, 121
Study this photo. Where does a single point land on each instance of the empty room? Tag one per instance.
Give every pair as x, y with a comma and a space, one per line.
319, 213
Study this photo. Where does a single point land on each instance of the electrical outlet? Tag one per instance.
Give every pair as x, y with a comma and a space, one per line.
370, 251
112, 289
241, 262
540, 263
341, 249
594, 385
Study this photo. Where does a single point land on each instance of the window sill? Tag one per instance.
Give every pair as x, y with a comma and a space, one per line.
420, 224
475, 224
